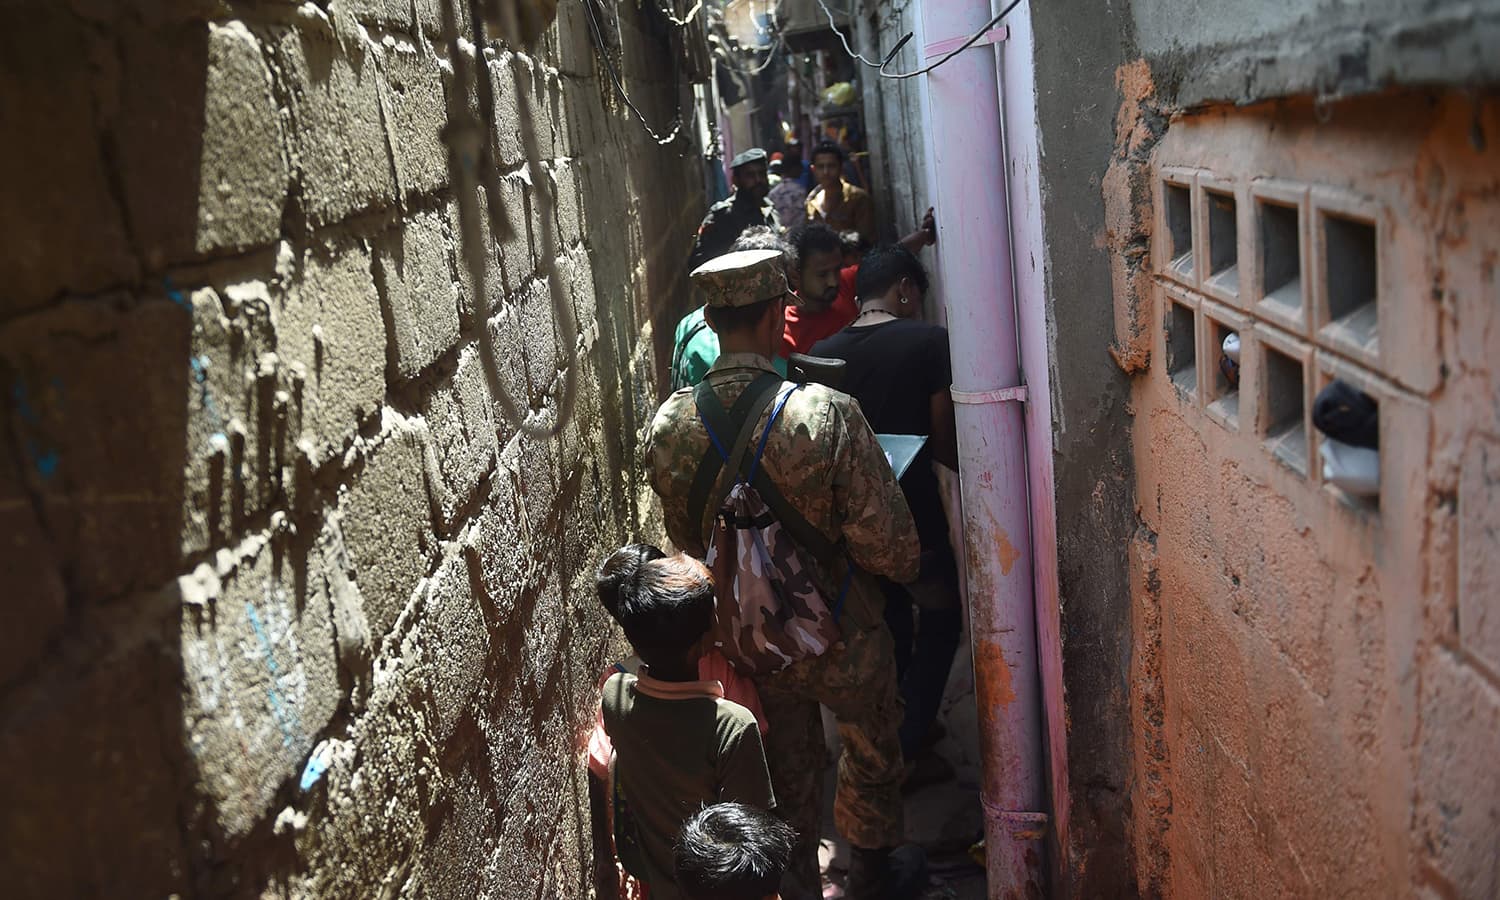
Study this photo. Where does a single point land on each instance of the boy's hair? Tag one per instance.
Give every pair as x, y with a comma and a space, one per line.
730, 851
827, 147
883, 267
758, 237
805, 240
664, 603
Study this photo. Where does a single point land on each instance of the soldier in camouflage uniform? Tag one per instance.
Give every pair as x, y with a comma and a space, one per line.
747, 206
824, 459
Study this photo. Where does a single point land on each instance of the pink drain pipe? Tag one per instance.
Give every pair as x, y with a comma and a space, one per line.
968, 156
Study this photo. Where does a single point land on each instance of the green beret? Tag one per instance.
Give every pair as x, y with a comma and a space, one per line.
753, 155
742, 278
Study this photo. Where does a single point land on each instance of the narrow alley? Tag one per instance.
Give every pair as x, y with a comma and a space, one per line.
815, 449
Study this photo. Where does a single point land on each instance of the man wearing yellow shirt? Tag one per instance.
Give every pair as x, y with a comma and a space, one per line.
835, 202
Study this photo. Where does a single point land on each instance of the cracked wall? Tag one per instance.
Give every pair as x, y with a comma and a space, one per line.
293, 609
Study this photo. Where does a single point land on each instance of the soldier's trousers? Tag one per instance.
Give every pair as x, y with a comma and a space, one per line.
858, 684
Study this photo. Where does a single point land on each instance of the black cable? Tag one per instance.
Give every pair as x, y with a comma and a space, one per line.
686, 20
907, 37
614, 76
961, 48
771, 56
845, 41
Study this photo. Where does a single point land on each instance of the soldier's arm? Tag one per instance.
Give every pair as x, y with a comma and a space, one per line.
661, 464
877, 524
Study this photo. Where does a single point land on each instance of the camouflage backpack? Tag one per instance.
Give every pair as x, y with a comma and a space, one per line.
770, 614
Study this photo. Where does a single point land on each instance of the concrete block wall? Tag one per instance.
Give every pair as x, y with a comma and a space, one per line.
291, 609
1313, 672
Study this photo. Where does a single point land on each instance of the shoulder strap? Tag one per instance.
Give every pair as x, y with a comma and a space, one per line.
679, 351
802, 531
720, 424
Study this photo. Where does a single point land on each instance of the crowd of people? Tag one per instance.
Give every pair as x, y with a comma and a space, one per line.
808, 573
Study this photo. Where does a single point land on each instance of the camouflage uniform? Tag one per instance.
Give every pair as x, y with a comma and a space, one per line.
826, 462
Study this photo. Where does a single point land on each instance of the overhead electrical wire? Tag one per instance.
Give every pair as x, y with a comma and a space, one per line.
974, 38
614, 76
771, 56
686, 20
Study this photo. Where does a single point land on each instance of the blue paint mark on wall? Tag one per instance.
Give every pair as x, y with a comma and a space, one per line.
285, 718
175, 295
317, 765
43, 458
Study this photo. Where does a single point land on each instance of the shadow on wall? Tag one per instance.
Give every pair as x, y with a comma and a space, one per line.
95, 446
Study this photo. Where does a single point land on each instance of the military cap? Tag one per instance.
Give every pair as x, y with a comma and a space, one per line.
753, 155
742, 278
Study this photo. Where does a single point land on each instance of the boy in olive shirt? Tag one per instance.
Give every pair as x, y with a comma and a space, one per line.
678, 744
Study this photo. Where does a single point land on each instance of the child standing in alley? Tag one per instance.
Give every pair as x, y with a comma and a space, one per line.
678, 744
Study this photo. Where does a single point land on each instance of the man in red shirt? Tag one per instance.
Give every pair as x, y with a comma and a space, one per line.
824, 286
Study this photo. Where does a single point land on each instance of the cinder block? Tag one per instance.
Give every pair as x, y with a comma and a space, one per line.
574, 55
579, 269
201, 151
94, 397
429, 16
417, 287
503, 76
390, 13
496, 547
568, 206
535, 462
260, 676
516, 252
543, 637
531, 815
416, 114
1458, 802
463, 838
455, 643
338, 141
87, 763
494, 278
539, 337
508, 340
366, 823
59, 223
38, 602
231, 470
459, 414
1478, 565
388, 525
331, 337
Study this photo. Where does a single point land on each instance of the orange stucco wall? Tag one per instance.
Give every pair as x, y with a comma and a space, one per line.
1315, 683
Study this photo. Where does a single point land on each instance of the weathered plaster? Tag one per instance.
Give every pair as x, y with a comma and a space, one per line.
1316, 697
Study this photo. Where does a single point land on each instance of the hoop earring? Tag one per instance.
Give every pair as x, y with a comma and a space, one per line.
905, 299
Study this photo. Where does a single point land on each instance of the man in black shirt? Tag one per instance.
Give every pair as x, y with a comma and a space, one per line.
898, 369
745, 208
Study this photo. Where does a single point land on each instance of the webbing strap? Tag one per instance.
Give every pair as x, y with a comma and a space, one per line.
678, 351
721, 425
